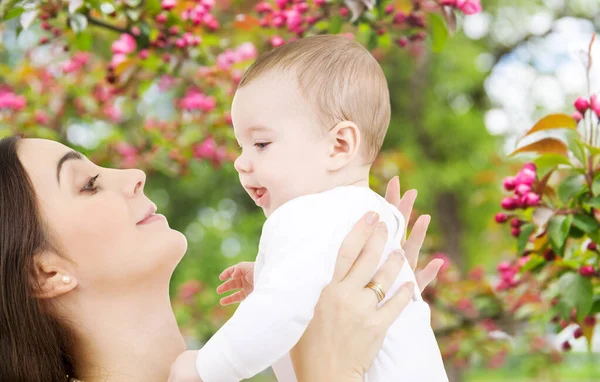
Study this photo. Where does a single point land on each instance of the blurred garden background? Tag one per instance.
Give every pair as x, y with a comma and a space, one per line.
148, 84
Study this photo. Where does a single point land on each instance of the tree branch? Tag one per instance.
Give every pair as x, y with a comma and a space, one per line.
105, 25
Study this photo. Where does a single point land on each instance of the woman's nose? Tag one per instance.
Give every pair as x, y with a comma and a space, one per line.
242, 164
135, 181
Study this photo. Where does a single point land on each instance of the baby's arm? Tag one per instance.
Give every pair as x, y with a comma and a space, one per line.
271, 320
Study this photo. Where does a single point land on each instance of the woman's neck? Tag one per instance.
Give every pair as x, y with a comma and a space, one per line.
126, 337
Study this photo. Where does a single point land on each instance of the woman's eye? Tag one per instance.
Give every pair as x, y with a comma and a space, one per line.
91, 185
262, 145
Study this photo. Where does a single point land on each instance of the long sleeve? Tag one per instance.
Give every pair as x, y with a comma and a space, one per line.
297, 265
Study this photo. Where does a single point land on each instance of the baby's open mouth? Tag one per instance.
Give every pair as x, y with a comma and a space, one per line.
259, 195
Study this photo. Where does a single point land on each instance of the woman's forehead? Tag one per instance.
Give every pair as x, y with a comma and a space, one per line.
40, 158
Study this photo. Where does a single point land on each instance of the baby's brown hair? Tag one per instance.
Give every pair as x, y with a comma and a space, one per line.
340, 78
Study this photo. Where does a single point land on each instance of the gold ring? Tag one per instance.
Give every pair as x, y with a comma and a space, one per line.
377, 289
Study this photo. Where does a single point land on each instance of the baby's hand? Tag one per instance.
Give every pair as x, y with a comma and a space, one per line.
241, 276
184, 368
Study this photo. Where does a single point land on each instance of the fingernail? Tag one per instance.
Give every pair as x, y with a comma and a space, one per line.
372, 218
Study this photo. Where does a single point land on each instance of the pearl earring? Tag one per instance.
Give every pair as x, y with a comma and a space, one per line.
66, 279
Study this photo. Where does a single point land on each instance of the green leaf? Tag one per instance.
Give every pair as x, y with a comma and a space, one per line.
595, 306
586, 223
372, 42
335, 25
526, 232
439, 31
548, 161
558, 231
570, 187
575, 146
593, 202
577, 292
83, 41
12, 13
596, 186
533, 263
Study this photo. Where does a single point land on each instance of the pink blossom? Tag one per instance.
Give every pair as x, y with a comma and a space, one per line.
206, 149
166, 82
281, 3
587, 271
577, 116
509, 183
525, 176
503, 267
501, 218
400, 17
144, 54
293, 19
389, 9
124, 45
196, 100
208, 4
581, 104
469, 7
226, 59
277, 41
263, 7
319, 3
531, 199
531, 166
595, 105
161, 18
509, 203
41, 117
9, 100
117, 59
113, 113
449, 3
168, 4
522, 189
247, 51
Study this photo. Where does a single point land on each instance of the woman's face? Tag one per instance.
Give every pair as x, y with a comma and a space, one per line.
96, 219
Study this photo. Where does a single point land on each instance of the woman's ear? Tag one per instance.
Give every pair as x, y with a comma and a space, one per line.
345, 144
53, 275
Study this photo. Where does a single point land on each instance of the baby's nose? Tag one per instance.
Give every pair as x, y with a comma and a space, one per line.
242, 164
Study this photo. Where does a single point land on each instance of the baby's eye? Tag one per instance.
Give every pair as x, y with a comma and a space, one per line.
262, 145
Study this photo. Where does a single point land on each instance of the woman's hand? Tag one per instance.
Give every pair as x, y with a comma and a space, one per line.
412, 247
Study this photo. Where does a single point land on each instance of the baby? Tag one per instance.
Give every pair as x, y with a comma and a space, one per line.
310, 117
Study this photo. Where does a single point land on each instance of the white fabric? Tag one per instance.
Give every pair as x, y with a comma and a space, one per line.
297, 254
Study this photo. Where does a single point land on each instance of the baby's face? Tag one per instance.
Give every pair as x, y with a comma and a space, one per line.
284, 148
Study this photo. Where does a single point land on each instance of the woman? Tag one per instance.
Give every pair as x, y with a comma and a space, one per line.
85, 265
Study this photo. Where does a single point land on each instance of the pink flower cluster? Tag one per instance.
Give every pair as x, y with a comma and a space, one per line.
583, 104
521, 184
468, 7
128, 153
290, 14
208, 149
11, 101
194, 99
200, 14
246, 51
508, 272
76, 62
121, 48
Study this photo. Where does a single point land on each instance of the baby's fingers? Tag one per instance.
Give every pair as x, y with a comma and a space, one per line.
233, 298
230, 285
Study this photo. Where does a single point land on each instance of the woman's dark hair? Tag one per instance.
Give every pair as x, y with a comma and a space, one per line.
34, 344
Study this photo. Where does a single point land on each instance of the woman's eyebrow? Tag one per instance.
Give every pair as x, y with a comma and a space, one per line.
68, 156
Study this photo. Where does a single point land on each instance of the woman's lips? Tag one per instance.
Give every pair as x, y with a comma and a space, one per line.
152, 218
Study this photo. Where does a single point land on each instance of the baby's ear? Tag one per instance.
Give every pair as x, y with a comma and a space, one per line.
345, 144
53, 275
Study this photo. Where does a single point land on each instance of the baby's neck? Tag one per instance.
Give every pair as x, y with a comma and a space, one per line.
358, 176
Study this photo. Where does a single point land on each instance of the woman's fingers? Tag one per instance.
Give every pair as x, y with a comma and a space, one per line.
353, 244
412, 247
425, 276
386, 275
362, 272
394, 306
230, 285
406, 207
392, 192
227, 273
238, 296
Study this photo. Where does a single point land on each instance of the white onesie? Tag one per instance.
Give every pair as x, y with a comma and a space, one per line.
296, 258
